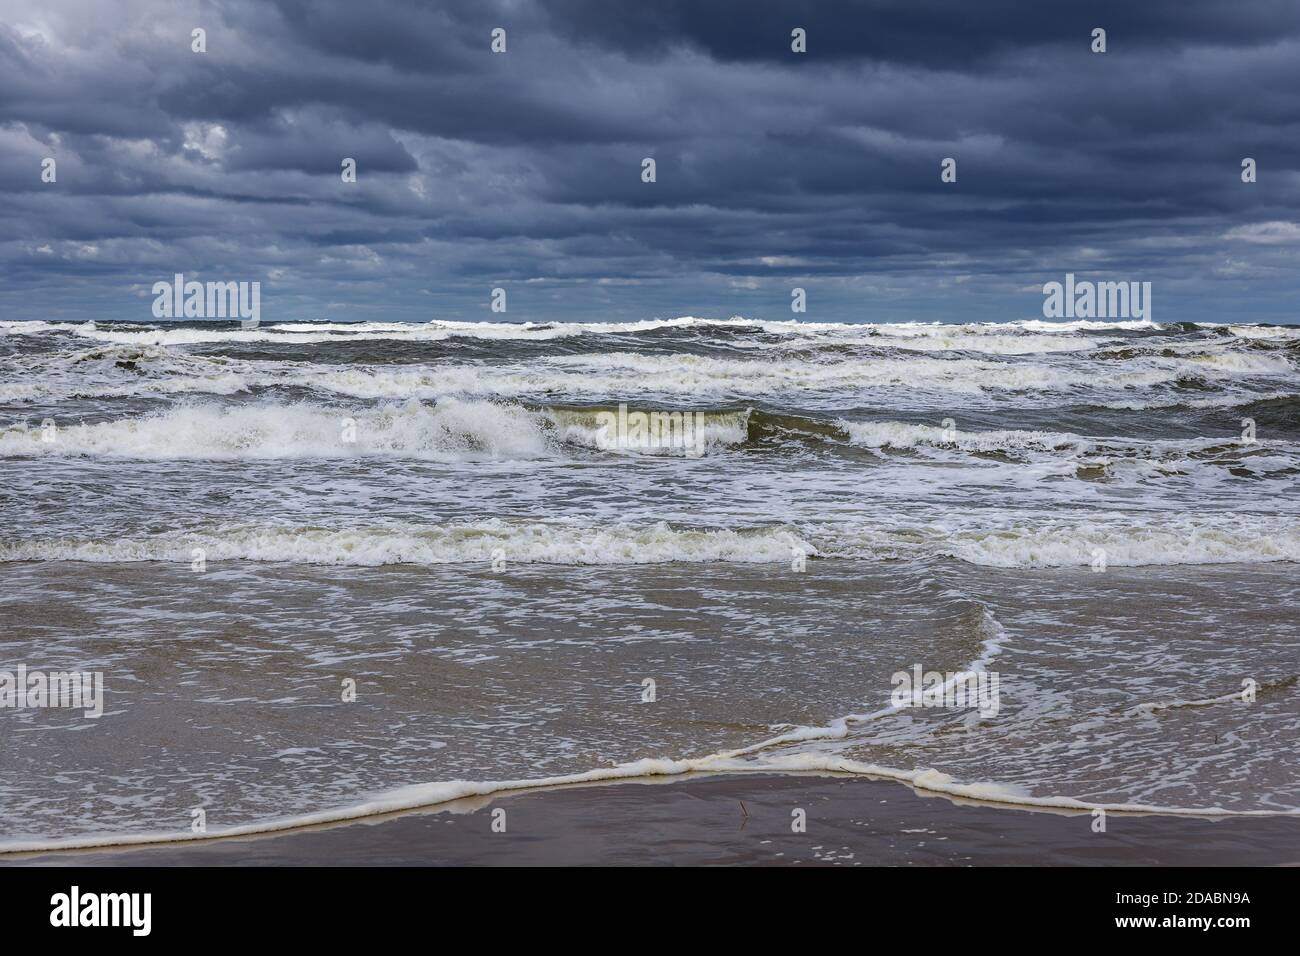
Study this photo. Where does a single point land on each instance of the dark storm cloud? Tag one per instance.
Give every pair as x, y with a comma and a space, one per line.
938, 34
774, 169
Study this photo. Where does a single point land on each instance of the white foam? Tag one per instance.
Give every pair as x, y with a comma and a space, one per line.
1012, 337
661, 433
1151, 706
432, 794
1156, 539
1264, 332
1204, 460
935, 781
1231, 400
163, 368
123, 371
470, 542
310, 333
689, 377
908, 435
450, 430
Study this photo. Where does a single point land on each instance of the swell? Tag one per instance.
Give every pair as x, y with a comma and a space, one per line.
455, 430
1207, 352
192, 332
141, 364
189, 333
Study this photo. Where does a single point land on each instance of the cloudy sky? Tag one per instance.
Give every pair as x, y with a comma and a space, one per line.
774, 169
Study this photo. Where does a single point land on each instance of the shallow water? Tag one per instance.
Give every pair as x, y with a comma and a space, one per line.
437, 513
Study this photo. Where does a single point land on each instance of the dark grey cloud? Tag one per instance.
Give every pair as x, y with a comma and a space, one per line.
774, 169
937, 34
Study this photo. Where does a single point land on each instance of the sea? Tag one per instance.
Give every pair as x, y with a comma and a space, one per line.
329, 570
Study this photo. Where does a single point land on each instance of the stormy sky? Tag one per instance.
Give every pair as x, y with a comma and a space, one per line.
522, 169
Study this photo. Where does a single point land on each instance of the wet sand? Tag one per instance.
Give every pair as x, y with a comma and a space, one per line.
733, 819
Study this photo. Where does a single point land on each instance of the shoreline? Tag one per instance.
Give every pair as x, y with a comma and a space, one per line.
726, 819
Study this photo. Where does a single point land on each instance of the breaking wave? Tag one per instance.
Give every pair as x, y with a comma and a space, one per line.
477, 542
1158, 540
450, 430
1141, 541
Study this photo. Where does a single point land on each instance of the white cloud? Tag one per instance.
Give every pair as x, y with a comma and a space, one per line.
1268, 233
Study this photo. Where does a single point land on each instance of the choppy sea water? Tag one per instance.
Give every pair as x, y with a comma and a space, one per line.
1103, 514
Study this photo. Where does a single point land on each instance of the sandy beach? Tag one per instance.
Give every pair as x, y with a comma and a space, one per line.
733, 819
